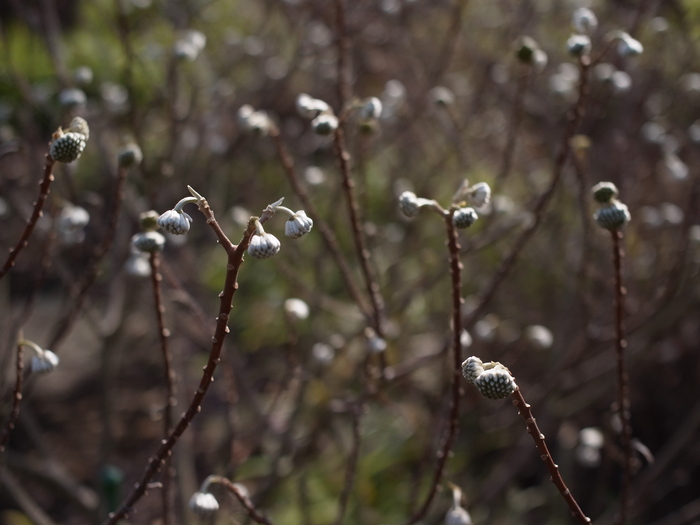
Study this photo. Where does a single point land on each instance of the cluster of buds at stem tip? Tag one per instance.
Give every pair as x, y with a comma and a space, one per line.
129, 156
255, 122
264, 245
457, 515
585, 23
67, 146
528, 51
323, 120
44, 361
612, 214
478, 196
149, 240
203, 503
176, 221
492, 379
626, 45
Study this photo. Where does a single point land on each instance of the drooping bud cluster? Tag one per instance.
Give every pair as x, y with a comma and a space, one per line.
492, 379
67, 146
478, 196
457, 515
148, 242
528, 51
43, 361
130, 155
203, 504
263, 245
464, 217
190, 45
298, 225
627, 46
612, 214
323, 120
255, 122
585, 23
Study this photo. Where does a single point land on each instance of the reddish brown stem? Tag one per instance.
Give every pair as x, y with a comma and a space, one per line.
456, 277
538, 437
44, 188
16, 400
623, 400
235, 259
358, 235
171, 399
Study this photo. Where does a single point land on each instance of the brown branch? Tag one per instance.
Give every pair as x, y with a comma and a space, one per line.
623, 400
64, 326
44, 188
235, 259
351, 468
538, 437
16, 400
171, 399
456, 277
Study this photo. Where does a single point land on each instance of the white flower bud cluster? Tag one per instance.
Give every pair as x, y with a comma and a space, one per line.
190, 45
298, 225
255, 122
585, 23
71, 223
67, 146
130, 155
457, 515
464, 217
45, 362
410, 204
264, 245
203, 504
528, 51
492, 379
612, 214
323, 120
628, 46
148, 242
176, 222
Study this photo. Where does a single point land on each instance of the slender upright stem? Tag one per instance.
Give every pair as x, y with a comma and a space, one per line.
456, 278
351, 468
512, 133
358, 235
623, 401
538, 437
235, 259
44, 188
171, 399
16, 400
64, 326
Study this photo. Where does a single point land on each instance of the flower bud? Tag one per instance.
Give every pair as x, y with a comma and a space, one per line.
612, 216
298, 225
409, 204
464, 217
130, 155
149, 242
44, 362
628, 46
480, 194
371, 109
203, 504
579, 45
584, 21
604, 192
325, 124
309, 107
67, 147
263, 245
149, 220
175, 222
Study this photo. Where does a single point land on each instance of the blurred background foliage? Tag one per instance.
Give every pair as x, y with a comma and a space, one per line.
279, 418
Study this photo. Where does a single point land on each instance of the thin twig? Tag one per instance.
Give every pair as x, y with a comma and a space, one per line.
538, 437
456, 278
235, 259
623, 400
44, 188
171, 399
351, 467
16, 400
242, 498
64, 326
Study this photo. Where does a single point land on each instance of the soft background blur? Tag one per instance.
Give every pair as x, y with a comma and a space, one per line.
279, 417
